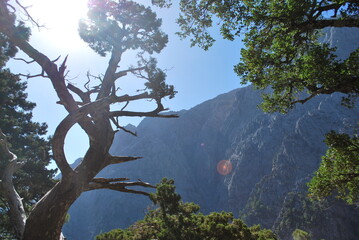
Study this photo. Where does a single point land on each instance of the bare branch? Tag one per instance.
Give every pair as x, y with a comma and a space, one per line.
12, 7
111, 160
124, 72
117, 184
28, 15
21, 59
89, 76
123, 108
154, 113
320, 9
302, 101
77, 102
56, 59
84, 96
315, 93
145, 95
141, 114
28, 76
115, 121
127, 98
94, 89
62, 68
128, 131
108, 180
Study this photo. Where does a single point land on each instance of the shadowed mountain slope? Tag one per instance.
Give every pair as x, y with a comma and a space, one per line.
273, 156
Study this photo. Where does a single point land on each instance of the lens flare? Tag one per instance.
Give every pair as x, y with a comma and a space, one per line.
224, 167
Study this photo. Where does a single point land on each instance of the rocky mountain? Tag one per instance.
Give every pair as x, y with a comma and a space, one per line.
273, 156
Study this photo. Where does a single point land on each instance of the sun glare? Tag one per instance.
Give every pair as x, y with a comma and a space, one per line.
224, 167
60, 18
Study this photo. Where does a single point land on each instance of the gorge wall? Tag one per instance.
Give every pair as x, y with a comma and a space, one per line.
273, 156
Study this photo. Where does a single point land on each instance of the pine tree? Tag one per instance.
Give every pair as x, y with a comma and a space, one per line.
179, 220
26, 139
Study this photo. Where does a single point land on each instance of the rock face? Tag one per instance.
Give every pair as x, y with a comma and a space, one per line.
273, 156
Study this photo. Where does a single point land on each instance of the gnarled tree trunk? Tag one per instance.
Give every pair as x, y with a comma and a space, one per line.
17, 211
93, 114
51, 209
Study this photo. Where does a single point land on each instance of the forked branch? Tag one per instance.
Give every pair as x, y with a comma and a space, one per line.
85, 96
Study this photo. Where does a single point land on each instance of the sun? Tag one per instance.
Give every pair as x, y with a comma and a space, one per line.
60, 20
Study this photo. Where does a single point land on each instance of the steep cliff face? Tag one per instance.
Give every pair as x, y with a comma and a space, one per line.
186, 149
273, 156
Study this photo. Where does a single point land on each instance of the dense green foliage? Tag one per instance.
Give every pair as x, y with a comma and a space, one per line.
283, 55
339, 169
118, 26
175, 219
123, 25
299, 212
25, 136
281, 51
300, 235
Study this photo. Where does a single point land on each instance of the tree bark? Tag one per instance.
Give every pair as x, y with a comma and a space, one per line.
51, 209
17, 211
47, 218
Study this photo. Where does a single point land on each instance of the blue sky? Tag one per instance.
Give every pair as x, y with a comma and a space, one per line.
197, 75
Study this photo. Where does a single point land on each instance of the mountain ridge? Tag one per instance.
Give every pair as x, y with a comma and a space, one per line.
273, 155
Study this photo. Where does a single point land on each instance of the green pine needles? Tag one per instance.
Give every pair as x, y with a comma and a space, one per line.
179, 220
